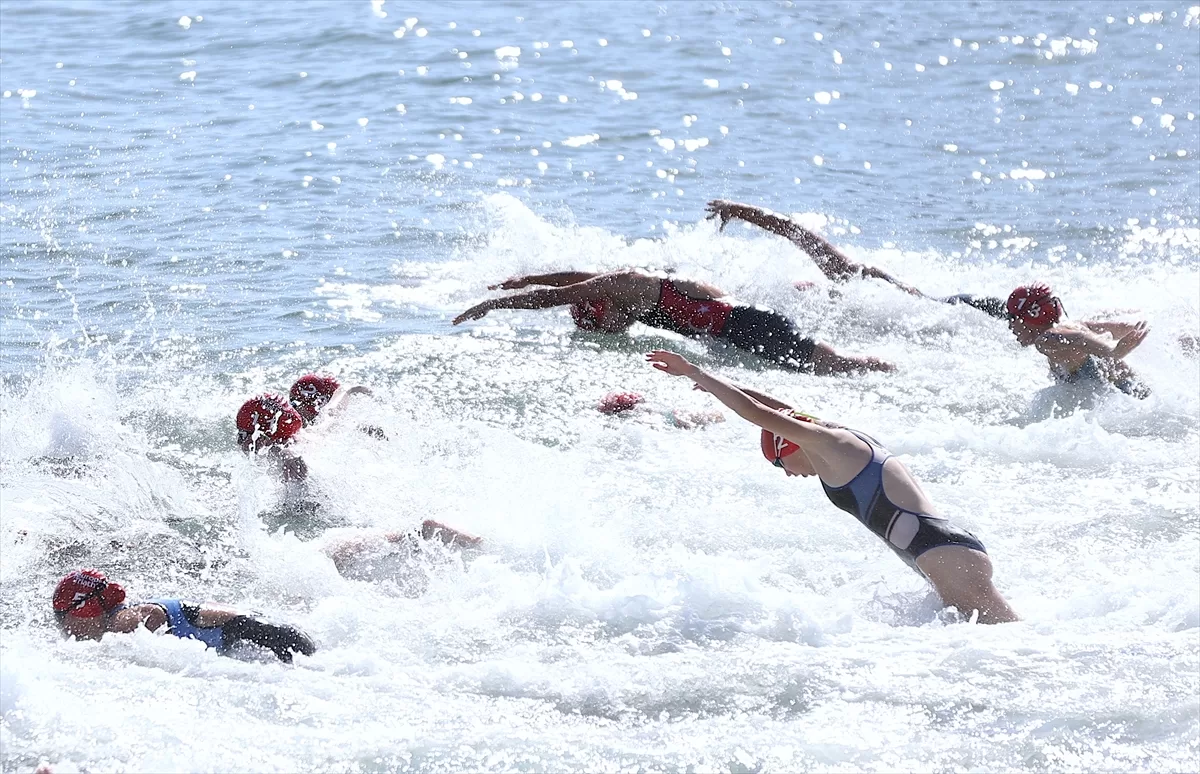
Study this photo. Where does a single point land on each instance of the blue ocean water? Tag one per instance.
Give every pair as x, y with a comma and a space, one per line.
202, 200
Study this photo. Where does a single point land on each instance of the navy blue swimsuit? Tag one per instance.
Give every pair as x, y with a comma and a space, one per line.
908, 534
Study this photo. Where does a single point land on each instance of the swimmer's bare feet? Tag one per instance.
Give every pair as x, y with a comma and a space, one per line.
875, 364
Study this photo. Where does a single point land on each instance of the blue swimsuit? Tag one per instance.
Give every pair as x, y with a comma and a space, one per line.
181, 625
908, 534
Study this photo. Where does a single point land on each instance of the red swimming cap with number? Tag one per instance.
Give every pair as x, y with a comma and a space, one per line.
87, 594
588, 314
266, 420
776, 447
310, 393
1035, 305
617, 402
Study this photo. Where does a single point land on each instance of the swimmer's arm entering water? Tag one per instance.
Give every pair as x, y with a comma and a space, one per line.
831, 261
338, 403
556, 279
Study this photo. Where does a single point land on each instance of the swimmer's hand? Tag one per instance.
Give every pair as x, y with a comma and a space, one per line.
720, 209
512, 283
477, 312
671, 363
1131, 340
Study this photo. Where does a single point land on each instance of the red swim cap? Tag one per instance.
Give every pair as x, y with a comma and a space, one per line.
86, 594
266, 421
776, 447
310, 393
588, 314
1035, 305
616, 402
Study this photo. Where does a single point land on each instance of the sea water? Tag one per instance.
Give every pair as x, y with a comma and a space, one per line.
202, 199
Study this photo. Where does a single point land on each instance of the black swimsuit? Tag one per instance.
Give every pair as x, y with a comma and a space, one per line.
907, 533
762, 332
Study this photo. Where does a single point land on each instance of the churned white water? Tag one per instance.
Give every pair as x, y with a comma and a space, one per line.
647, 598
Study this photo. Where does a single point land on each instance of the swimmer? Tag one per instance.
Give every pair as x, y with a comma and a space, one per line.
1078, 351
314, 394
350, 550
613, 301
627, 403
832, 262
860, 477
87, 606
268, 424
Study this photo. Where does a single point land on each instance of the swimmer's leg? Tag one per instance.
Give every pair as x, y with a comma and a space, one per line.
281, 639
962, 577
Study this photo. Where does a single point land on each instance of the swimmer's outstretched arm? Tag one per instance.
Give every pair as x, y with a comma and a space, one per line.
556, 279
812, 437
761, 397
830, 260
605, 286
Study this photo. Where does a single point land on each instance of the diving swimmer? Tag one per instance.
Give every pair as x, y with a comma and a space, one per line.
832, 262
87, 605
611, 302
860, 477
1078, 351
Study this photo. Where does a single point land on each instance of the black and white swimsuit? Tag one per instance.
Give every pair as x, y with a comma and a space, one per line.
907, 533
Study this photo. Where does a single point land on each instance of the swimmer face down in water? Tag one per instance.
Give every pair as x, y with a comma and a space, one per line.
611, 302
87, 606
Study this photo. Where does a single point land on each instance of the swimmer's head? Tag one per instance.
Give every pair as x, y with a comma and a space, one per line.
85, 594
1034, 305
266, 420
1032, 310
619, 402
781, 452
589, 315
311, 393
